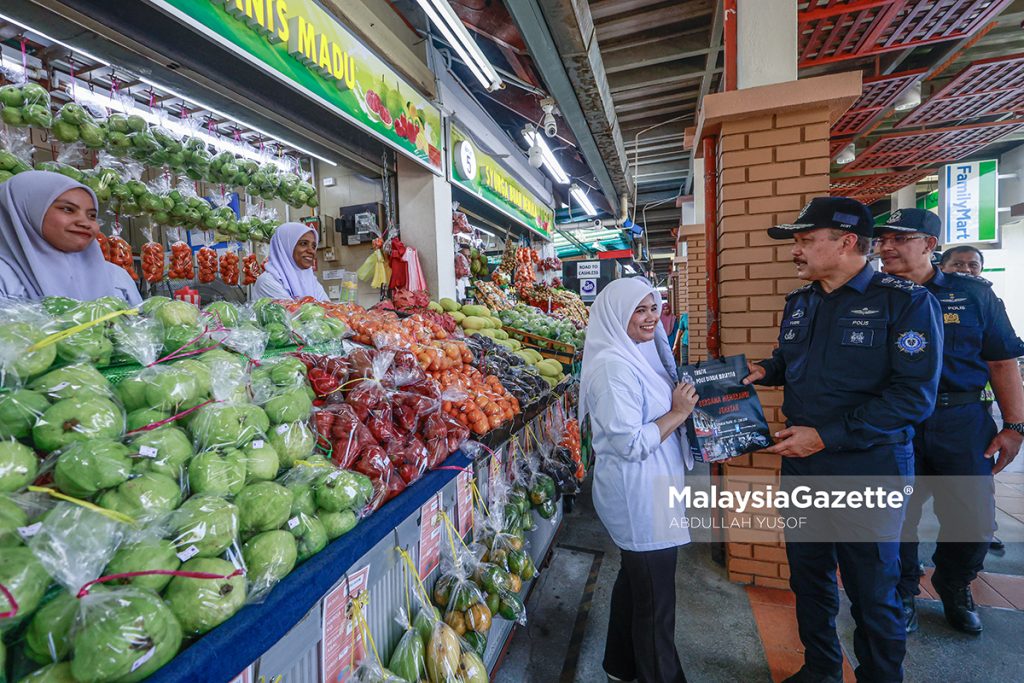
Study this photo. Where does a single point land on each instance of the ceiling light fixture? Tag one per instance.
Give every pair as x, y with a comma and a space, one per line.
909, 99
583, 200
539, 150
444, 18
848, 154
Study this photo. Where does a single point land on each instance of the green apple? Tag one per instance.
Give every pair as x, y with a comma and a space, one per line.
124, 635
209, 523
16, 359
310, 535
137, 419
269, 557
165, 450
89, 346
174, 313
77, 419
223, 312
338, 490
141, 556
19, 410
202, 604
132, 392
24, 576
18, 466
261, 461
144, 496
88, 467
263, 506
11, 518
219, 425
219, 473
200, 373
292, 441
48, 637
338, 524
292, 406
74, 381
51, 673
168, 387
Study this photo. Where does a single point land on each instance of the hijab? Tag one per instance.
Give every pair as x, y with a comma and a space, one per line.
298, 282
607, 341
43, 269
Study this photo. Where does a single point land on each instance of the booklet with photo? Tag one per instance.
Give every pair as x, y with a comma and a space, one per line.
728, 420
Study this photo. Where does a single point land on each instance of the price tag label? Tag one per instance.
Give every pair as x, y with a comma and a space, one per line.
144, 658
148, 451
281, 429
293, 522
333, 475
27, 532
258, 443
430, 535
60, 387
188, 553
341, 645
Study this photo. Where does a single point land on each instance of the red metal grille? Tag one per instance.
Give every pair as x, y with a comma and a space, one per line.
870, 188
834, 30
932, 147
878, 94
991, 86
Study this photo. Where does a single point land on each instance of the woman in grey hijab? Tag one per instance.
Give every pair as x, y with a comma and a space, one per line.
48, 247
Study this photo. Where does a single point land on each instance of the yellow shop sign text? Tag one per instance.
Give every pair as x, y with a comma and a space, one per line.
307, 41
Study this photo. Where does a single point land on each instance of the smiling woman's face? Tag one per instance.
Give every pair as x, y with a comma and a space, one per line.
70, 223
643, 321
305, 251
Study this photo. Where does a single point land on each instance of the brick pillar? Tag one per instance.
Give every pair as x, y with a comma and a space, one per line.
696, 302
773, 157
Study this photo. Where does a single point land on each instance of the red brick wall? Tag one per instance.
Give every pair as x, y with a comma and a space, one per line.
769, 167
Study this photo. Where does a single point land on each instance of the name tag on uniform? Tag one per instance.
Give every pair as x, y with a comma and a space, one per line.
856, 337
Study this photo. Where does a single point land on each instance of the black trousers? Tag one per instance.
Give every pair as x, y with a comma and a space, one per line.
641, 627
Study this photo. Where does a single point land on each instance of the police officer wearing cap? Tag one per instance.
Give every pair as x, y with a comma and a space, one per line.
960, 438
858, 355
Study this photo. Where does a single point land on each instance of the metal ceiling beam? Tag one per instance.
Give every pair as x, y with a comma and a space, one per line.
534, 27
717, 28
654, 52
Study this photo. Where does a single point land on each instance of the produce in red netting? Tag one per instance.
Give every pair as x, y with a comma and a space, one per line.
229, 267
207, 260
181, 267
252, 269
153, 261
121, 255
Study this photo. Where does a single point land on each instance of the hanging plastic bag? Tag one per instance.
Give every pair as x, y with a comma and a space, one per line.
229, 265
181, 267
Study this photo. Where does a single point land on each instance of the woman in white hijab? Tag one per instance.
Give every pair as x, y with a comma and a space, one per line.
289, 273
636, 410
48, 245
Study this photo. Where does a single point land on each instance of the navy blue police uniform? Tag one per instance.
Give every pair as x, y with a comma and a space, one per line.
860, 365
952, 441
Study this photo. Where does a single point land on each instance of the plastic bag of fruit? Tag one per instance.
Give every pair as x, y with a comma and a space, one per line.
229, 265
340, 431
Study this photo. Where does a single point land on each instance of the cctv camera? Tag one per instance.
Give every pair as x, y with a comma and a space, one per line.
550, 125
598, 224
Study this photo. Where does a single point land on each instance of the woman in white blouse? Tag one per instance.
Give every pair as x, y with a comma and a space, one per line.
636, 409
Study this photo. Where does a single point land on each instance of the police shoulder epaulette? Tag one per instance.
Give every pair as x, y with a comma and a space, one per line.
902, 284
973, 278
798, 290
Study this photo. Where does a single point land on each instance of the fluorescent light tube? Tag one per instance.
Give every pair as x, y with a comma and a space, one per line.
581, 198
534, 140
443, 17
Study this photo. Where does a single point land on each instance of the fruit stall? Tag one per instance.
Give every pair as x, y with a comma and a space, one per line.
256, 483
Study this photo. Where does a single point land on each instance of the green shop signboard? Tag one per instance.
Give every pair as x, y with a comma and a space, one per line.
482, 175
302, 45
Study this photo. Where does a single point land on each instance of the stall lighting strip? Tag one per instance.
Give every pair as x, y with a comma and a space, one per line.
193, 102
584, 201
444, 18
534, 138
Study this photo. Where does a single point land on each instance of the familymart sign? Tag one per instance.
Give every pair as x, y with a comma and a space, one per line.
970, 201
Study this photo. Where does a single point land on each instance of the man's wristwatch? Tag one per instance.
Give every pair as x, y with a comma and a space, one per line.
1015, 426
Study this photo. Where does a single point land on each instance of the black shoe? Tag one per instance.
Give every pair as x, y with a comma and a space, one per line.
958, 606
996, 545
805, 675
909, 614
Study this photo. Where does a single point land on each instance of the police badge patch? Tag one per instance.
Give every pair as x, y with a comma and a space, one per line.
911, 343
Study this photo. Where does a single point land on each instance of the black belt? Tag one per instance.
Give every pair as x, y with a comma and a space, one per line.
957, 398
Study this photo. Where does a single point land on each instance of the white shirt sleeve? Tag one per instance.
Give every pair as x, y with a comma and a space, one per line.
126, 287
269, 287
617, 415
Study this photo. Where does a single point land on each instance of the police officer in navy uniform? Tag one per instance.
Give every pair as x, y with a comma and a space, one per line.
858, 355
960, 438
